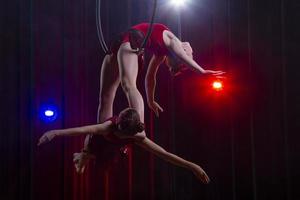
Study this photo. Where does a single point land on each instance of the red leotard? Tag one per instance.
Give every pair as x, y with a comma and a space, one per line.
107, 147
113, 138
155, 43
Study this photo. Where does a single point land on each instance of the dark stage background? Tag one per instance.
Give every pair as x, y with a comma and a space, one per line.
245, 137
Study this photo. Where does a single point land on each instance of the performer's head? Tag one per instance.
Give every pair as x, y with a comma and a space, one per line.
129, 122
175, 66
173, 61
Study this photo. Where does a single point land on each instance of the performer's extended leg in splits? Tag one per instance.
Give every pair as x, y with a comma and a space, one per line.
126, 128
121, 66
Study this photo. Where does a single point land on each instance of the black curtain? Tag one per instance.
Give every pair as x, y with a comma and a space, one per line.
245, 136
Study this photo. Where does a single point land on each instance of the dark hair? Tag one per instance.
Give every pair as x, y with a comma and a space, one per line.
176, 67
129, 122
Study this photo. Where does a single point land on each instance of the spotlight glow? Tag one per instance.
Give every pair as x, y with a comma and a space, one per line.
217, 85
178, 3
48, 113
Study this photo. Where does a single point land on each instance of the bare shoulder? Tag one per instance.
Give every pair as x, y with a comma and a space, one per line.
169, 38
104, 128
169, 34
139, 137
145, 142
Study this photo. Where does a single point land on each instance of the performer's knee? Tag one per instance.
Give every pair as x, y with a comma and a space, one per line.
127, 87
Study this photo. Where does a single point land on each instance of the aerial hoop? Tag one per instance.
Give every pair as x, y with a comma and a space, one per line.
100, 31
99, 27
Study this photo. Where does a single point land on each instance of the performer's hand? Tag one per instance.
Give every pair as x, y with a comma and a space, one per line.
155, 107
47, 137
80, 161
214, 73
200, 173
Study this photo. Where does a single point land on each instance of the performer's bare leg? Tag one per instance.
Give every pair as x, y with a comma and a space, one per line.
128, 69
109, 82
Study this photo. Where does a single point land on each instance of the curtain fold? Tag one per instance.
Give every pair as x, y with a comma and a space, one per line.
245, 137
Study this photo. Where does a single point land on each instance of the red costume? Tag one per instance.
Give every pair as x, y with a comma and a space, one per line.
111, 168
108, 147
155, 43
113, 138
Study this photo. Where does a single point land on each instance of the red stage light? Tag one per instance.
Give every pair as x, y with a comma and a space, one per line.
217, 85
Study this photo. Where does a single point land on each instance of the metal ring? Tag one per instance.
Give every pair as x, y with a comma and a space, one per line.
100, 31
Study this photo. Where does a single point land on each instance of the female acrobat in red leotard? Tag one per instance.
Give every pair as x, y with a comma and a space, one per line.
121, 66
126, 128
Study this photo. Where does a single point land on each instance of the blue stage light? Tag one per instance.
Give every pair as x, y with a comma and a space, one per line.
48, 113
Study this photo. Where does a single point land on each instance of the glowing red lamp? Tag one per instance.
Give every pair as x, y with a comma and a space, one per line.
217, 85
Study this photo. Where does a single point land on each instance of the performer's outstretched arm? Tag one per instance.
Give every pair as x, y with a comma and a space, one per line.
99, 129
177, 47
150, 146
150, 83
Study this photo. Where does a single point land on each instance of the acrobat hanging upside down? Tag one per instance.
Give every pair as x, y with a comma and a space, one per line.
126, 129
